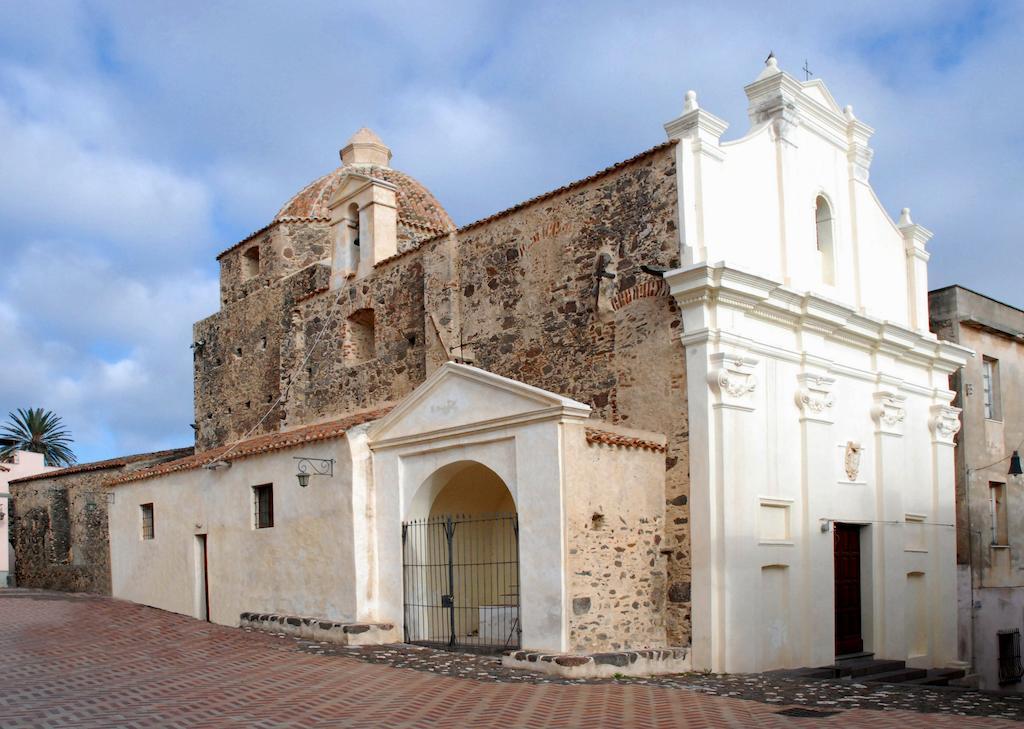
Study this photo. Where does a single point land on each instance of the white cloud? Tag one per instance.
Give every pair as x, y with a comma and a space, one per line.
107, 351
65, 168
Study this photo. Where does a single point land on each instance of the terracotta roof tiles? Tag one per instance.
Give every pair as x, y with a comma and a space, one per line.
259, 445
604, 437
119, 462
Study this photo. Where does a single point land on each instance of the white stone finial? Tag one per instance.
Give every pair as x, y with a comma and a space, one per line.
905, 218
365, 148
691, 102
771, 67
848, 112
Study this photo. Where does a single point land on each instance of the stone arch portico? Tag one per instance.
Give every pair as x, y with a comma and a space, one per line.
464, 415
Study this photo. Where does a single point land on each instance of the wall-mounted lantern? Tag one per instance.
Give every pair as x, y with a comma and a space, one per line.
1015, 467
313, 467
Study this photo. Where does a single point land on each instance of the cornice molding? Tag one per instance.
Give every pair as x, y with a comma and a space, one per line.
709, 285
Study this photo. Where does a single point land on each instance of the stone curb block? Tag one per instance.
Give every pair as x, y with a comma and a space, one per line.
648, 662
321, 629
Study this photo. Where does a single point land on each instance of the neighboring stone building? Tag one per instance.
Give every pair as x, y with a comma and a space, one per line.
59, 522
691, 400
24, 463
990, 507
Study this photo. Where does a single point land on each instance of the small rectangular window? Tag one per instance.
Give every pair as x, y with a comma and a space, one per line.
147, 521
1010, 668
263, 503
990, 384
997, 506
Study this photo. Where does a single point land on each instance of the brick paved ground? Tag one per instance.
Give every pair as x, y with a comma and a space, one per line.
72, 660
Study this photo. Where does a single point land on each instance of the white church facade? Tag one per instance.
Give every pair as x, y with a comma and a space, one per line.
731, 437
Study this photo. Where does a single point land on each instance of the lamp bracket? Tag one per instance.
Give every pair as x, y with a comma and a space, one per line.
315, 466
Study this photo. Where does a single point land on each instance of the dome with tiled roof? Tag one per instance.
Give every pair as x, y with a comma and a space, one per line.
420, 215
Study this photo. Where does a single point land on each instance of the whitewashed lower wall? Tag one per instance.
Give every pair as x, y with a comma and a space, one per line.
303, 565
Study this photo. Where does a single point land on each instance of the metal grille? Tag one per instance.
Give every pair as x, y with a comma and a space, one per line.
147, 521
263, 504
461, 580
1010, 668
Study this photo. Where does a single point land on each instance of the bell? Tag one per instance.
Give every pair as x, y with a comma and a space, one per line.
1015, 469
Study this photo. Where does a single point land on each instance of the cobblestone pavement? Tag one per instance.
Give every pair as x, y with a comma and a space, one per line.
84, 661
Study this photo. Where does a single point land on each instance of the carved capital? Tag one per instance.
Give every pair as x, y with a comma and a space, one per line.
944, 423
732, 378
889, 412
814, 396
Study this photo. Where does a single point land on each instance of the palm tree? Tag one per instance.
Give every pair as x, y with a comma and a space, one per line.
38, 431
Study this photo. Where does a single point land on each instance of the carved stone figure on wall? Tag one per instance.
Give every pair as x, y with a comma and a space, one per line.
852, 459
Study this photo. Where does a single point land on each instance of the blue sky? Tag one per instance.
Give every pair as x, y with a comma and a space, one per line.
137, 140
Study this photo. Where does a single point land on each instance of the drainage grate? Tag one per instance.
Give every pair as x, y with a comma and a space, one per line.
798, 712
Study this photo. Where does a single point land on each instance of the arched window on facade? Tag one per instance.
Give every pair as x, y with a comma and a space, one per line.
360, 337
353, 236
251, 262
824, 235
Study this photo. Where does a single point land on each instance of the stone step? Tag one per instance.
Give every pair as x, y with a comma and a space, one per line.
857, 667
901, 675
939, 677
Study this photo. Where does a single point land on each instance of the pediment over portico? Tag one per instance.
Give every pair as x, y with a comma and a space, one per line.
458, 398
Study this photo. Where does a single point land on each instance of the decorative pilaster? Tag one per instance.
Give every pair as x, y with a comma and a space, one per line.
737, 457
915, 237
816, 399
889, 413
698, 160
858, 154
944, 424
733, 380
814, 396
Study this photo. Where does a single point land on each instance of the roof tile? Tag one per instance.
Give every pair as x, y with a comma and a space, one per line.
259, 445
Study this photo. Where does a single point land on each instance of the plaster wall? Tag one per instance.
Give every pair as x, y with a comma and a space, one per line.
996, 609
988, 441
991, 588
304, 565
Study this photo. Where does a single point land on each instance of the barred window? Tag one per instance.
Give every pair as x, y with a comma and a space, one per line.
147, 521
263, 504
1010, 669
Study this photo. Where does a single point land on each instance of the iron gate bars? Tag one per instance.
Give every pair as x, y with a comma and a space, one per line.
461, 581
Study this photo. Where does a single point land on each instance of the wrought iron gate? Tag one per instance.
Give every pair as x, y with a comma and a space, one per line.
461, 580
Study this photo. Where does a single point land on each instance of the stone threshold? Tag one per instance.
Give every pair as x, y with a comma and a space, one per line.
321, 629
651, 662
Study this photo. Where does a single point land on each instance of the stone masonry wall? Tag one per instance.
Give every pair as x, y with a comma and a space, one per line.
550, 293
59, 527
615, 528
535, 309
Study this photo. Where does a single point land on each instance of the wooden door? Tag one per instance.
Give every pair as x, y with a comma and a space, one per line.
847, 589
